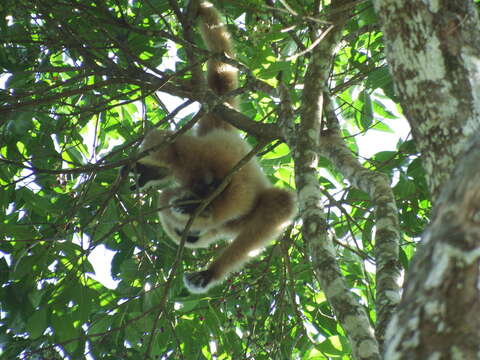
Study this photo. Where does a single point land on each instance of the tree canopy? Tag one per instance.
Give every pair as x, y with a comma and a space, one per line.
83, 81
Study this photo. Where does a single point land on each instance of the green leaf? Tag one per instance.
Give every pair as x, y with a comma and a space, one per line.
75, 155
277, 152
405, 187
331, 346
273, 69
84, 298
64, 330
284, 174
382, 111
366, 111
101, 325
380, 126
37, 323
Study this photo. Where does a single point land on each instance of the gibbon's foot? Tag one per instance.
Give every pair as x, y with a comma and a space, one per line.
199, 282
192, 236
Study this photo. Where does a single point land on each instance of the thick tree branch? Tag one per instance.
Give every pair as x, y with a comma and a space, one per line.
433, 51
351, 315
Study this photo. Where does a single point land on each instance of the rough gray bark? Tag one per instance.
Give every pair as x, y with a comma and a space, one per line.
439, 316
433, 49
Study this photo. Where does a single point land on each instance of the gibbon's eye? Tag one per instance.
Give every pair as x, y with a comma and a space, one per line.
192, 236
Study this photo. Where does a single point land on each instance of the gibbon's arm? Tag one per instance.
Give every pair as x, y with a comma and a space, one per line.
221, 77
273, 211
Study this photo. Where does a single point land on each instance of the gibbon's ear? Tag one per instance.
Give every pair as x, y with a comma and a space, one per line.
146, 176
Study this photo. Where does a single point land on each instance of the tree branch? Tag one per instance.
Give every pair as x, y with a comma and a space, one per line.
387, 235
352, 316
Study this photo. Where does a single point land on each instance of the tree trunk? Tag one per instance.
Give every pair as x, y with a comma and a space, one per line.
434, 55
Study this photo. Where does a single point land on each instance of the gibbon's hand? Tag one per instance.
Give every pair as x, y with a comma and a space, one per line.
145, 176
186, 204
186, 201
206, 185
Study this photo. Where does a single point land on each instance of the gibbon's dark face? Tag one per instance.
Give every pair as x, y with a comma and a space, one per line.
187, 203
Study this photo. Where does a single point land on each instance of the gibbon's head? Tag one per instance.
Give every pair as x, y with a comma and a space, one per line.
149, 171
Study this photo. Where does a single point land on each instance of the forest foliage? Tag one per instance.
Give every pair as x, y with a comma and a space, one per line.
82, 81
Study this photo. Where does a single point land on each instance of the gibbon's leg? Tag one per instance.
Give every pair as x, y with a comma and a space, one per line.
272, 213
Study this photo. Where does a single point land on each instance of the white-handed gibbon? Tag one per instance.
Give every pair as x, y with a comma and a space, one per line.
249, 211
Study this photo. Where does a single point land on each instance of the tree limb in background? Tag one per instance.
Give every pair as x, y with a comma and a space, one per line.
433, 52
387, 235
